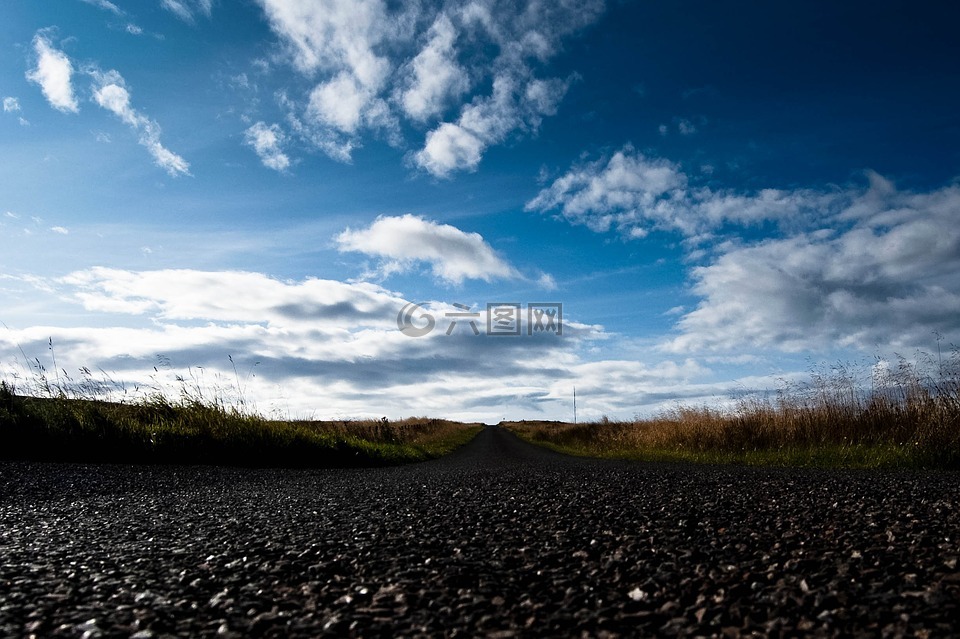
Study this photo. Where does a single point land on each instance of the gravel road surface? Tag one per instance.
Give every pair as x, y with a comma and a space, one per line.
498, 539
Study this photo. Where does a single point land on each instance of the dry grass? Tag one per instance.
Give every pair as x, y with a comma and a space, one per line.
48, 414
903, 417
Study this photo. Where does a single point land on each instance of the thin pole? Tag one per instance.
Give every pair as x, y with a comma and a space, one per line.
574, 405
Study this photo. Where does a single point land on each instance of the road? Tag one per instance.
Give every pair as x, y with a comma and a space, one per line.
498, 539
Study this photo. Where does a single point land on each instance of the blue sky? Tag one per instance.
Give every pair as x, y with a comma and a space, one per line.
719, 195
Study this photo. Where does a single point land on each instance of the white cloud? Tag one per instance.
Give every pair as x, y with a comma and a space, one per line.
373, 62
401, 242
627, 192
267, 141
635, 194
11, 105
339, 103
846, 268
134, 29
449, 148
60, 230
111, 94
514, 104
885, 279
434, 74
106, 5
547, 282
229, 296
186, 10
339, 38
53, 73
324, 349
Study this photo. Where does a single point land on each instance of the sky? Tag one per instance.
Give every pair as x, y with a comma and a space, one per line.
336, 209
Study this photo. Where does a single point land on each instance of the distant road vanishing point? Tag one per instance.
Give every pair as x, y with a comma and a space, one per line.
500, 539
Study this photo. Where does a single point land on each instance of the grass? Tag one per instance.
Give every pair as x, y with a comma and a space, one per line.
158, 431
896, 418
49, 415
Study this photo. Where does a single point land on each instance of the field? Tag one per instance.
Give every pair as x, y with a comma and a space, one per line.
899, 418
904, 416
160, 431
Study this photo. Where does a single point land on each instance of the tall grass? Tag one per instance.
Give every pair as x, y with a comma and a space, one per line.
902, 416
55, 416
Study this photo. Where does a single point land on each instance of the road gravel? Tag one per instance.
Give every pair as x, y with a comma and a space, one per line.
497, 539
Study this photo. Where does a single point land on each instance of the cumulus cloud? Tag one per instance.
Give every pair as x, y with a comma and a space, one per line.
512, 105
434, 74
635, 194
53, 72
373, 63
402, 242
11, 105
887, 278
267, 141
846, 267
111, 94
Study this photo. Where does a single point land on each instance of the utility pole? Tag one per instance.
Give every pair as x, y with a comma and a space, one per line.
574, 405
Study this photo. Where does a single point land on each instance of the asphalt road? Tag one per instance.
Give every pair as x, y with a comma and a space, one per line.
498, 539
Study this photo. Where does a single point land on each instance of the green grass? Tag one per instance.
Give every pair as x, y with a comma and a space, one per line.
901, 418
156, 430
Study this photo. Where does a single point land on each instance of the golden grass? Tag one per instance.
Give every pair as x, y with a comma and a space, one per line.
903, 418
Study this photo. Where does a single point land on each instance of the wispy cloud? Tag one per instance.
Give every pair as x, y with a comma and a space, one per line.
267, 141
53, 72
11, 105
402, 242
187, 10
106, 5
111, 94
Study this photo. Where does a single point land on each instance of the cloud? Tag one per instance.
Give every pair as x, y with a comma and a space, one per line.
842, 268
111, 94
187, 10
267, 142
338, 39
53, 72
11, 105
374, 63
230, 296
448, 148
635, 194
322, 349
434, 76
624, 192
402, 242
105, 5
60, 230
513, 105
886, 278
